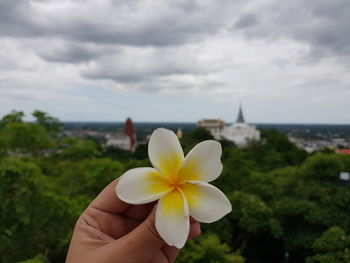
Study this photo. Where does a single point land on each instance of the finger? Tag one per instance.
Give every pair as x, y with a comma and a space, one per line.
195, 230
172, 252
131, 224
144, 239
110, 224
108, 201
139, 212
113, 225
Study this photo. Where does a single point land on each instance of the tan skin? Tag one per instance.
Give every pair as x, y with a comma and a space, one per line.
112, 231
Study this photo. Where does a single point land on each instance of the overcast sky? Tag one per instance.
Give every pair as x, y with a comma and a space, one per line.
287, 61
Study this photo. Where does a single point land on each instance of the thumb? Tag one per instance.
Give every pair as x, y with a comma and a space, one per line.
142, 243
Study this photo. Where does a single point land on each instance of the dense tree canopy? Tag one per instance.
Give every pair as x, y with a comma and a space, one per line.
287, 205
51, 124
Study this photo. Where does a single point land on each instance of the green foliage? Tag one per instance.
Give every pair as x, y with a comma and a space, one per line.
277, 141
141, 152
334, 239
3, 145
237, 167
282, 199
76, 149
201, 134
118, 154
14, 116
37, 259
345, 160
266, 186
253, 215
51, 124
32, 215
189, 140
333, 246
208, 248
275, 151
323, 167
88, 177
26, 137
312, 200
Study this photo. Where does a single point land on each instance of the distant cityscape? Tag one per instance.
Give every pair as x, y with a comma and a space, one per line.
127, 135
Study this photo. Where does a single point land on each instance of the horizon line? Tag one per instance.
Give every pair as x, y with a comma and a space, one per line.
189, 122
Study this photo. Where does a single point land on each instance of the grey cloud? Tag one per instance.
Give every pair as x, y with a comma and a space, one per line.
136, 65
141, 24
17, 19
166, 46
246, 20
73, 52
40, 95
135, 42
324, 25
176, 87
170, 29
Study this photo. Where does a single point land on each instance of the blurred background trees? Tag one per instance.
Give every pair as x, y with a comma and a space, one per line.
288, 206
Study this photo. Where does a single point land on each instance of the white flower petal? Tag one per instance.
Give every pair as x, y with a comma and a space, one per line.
202, 162
172, 219
142, 185
206, 202
165, 152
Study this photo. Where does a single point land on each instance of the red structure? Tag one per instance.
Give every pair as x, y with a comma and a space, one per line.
343, 151
129, 131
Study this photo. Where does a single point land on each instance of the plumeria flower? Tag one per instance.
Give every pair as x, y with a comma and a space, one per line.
180, 183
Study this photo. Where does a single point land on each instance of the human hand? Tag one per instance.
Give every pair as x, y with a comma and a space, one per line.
112, 231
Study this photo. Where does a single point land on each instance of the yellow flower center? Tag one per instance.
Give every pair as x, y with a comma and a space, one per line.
173, 178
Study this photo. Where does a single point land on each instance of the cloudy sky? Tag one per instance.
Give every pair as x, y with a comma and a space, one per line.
287, 61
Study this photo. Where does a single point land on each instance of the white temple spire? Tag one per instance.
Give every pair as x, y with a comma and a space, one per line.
240, 117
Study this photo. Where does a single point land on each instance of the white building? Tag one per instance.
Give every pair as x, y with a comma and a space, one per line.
125, 140
240, 132
214, 126
119, 140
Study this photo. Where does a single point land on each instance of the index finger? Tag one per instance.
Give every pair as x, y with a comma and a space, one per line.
108, 201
